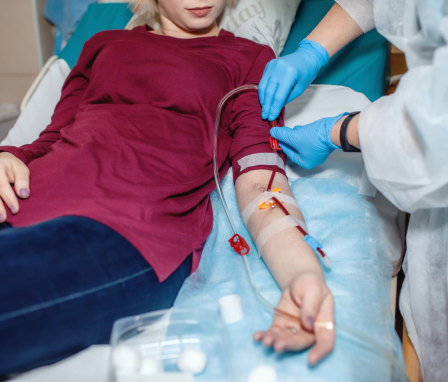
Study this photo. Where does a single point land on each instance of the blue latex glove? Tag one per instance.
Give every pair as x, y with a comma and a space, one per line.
307, 145
286, 78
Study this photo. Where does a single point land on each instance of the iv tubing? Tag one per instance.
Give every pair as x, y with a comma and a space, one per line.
221, 104
215, 145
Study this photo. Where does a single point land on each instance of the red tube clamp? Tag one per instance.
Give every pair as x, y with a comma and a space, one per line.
239, 245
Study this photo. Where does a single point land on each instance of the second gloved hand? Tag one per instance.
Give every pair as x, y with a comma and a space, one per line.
286, 78
307, 145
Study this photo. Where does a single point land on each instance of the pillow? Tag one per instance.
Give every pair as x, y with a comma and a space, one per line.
264, 21
38, 111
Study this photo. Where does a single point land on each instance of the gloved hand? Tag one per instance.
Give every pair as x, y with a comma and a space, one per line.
307, 145
286, 78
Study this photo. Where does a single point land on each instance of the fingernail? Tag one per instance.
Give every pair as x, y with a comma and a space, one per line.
13, 209
312, 361
310, 321
24, 193
279, 348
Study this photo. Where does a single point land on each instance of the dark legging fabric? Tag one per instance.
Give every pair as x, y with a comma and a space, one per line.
64, 282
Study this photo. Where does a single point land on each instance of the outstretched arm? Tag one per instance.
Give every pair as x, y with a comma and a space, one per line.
306, 297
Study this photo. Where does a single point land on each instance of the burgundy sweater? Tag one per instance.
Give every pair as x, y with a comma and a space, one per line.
130, 142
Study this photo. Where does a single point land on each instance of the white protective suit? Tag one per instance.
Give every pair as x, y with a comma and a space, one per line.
404, 143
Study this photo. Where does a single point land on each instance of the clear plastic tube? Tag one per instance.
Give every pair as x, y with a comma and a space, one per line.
221, 104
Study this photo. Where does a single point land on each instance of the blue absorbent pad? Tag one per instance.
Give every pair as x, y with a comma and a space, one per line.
347, 225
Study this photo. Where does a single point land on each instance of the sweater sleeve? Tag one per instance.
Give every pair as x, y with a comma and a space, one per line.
250, 149
65, 112
361, 11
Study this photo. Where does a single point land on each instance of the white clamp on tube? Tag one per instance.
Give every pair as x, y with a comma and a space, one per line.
231, 308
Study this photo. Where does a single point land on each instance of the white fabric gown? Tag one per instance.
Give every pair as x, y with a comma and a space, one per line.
404, 143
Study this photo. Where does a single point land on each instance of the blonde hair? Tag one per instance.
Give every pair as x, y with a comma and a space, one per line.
147, 9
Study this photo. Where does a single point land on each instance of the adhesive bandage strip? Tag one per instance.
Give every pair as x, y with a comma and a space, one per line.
261, 159
275, 227
262, 198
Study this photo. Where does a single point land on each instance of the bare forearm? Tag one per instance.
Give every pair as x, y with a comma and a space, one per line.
285, 253
352, 132
335, 30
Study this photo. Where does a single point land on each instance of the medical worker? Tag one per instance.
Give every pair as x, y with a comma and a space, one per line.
403, 139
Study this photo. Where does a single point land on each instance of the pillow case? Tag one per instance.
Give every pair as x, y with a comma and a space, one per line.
38, 111
264, 21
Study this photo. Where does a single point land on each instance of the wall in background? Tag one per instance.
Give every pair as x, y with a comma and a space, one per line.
26, 42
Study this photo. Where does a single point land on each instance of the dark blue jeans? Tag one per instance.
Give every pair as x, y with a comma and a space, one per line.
62, 285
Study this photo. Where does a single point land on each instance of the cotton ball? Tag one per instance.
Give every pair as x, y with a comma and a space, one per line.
126, 359
191, 361
150, 366
263, 373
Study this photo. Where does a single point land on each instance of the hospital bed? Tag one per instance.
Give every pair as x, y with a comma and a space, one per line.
356, 226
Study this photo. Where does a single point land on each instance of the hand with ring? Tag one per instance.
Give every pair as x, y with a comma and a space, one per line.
304, 317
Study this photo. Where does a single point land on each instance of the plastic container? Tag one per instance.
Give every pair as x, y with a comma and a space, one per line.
153, 346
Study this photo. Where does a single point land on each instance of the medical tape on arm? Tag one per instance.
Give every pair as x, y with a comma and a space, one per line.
263, 198
276, 227
261, 159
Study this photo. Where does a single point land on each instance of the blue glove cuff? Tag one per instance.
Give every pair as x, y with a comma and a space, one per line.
333, 146
319, 51
328, 132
